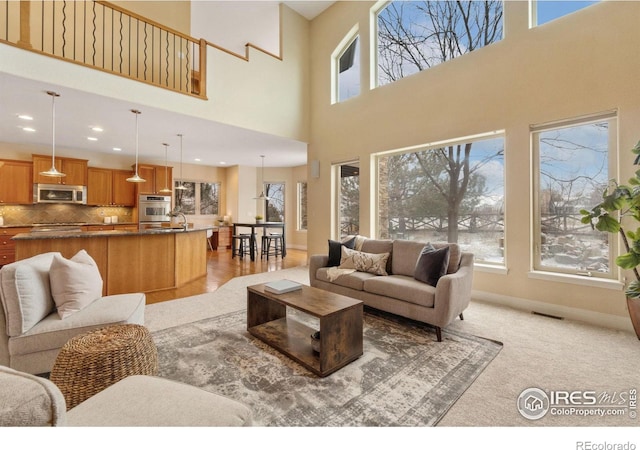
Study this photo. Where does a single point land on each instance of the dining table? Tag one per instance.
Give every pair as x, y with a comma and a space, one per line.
265, 226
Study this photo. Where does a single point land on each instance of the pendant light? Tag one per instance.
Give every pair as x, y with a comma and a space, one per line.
53, 172
165, 189
181, 187
262, 196
136, 178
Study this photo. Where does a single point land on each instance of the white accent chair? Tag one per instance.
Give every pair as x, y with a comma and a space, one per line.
32, 332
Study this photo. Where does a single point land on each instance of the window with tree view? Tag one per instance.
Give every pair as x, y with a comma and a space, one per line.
348, 198
416, 35
573, 171
451, 193
274, 207
197, 198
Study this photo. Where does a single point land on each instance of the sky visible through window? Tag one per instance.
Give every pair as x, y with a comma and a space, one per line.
548, 10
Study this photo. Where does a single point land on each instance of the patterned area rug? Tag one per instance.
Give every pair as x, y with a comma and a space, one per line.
404, 377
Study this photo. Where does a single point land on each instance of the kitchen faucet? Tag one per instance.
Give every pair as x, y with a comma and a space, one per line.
175, 213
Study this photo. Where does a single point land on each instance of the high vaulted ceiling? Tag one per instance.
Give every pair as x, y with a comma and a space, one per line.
213, 143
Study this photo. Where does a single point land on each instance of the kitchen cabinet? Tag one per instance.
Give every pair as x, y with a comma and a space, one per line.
75, 170
110, 187
154, 177
16, 182
8, 246
224, 237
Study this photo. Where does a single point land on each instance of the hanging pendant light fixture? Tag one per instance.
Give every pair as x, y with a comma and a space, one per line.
262, 196
53, 172
165, 189
136, 178
181, 187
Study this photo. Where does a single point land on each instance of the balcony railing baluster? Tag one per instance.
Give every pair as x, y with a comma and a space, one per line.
57, 31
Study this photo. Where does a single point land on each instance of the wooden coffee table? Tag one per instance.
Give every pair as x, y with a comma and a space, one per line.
340, 326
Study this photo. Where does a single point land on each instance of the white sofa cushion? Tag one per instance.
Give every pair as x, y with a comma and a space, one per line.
364, 262
142, 400
28, 400
75, 283
26, 292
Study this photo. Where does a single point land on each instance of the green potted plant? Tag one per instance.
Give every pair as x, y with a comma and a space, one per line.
617, 213
259, 218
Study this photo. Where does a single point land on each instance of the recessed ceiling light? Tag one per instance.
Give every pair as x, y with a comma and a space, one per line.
197, 159
91, 138
117, 149
98, 129
223, 162
24, 117
29, 129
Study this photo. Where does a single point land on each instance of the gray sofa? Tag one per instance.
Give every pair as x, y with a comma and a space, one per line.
31, 331
399, 292
139, 400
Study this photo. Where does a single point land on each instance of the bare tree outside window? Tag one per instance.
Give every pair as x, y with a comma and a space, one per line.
302, 205
416, 35
274, 207
349, 199
573, 171
209, 198
453, 193
186, 198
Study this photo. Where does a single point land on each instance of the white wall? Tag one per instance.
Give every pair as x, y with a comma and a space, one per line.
234, 24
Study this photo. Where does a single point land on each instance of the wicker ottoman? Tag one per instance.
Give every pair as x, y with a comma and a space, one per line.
93, 361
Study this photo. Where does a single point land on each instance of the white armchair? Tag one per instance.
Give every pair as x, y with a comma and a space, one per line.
31, 330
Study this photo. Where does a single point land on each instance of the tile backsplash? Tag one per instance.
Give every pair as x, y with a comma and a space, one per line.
57, 213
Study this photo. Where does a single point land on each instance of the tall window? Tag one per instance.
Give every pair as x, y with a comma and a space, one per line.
416, 35
348, 198
199, 198
274, 207
302, 205
209, 198
543, 11
348, 66
573, 163
449, 193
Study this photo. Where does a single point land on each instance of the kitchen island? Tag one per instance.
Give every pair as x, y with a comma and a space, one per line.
129, 261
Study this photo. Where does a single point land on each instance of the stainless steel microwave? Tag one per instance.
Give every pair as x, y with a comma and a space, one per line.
59, 193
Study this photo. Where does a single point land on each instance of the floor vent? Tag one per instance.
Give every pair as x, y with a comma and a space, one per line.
551, 316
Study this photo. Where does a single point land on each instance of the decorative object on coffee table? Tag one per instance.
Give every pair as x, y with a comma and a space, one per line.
91, 362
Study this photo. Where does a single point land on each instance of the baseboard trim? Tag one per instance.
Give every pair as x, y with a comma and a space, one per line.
577, 314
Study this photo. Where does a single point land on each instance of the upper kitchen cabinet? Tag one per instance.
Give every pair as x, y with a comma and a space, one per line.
110, 187
74, 169
156, 178
16, 182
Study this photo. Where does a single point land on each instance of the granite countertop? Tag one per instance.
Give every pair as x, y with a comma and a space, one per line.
76, 234
83, 224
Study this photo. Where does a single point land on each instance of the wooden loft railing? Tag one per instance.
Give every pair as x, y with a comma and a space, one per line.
109, 38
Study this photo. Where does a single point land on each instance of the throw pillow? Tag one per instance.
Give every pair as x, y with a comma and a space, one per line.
375, 263
335, 252
432, 264
75, 283
26, 293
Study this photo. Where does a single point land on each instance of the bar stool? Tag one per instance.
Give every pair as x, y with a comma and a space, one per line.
241, 245
267, 241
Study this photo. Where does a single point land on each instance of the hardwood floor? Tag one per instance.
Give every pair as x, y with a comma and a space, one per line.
221, 268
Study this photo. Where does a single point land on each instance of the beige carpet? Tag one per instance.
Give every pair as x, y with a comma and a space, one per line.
538, 352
